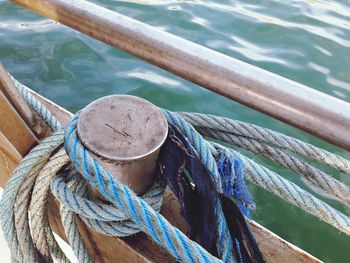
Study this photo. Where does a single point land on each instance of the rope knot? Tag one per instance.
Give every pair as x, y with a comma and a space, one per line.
72, 190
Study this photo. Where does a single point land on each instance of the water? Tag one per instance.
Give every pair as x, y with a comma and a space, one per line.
307, 41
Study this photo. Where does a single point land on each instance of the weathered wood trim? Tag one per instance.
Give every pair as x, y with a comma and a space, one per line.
14, 128
9, 158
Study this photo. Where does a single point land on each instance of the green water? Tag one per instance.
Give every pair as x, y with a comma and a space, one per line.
307, 41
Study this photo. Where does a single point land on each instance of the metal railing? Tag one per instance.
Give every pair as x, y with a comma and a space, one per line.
308, 109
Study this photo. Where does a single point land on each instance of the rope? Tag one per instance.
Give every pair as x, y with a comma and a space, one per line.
68, 172
313, 175
162, 232
69, 220
274, 183
15, 204
32, 163
105, 219
41, 231
224, 243
269, 137
37, 106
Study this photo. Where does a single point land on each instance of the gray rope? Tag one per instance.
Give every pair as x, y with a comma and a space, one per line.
274, 183
34, 175
41, 231
37, 106
105, 219
69, 218
268, 137
15, 209
313, 175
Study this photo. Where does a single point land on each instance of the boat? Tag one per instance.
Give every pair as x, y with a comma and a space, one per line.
140, 248
283, 99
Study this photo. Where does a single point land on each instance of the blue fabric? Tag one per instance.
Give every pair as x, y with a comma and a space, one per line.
247, 249
230, 168
195, 188
197, 203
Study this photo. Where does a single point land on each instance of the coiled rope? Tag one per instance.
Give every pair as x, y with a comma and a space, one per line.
41, 171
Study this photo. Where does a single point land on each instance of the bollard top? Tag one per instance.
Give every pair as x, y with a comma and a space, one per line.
122, 127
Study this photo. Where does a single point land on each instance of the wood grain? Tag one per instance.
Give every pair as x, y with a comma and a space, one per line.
14, 128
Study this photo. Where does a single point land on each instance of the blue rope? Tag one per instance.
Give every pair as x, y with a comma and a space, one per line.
155, 225
134, 213
226, 173
224, 243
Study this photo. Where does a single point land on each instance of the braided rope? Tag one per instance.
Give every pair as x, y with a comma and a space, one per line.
224, 242
313, 175
105, 219
152, 223
268, 137
37, 106
274, 183
179, 245
41, 231
31, 163
37, 170
69, 220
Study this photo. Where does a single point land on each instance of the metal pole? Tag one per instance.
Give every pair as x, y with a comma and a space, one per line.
310, 110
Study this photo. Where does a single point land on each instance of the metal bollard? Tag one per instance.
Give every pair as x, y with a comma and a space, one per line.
125, 134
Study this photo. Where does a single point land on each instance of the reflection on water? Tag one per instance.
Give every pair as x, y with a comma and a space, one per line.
307, 41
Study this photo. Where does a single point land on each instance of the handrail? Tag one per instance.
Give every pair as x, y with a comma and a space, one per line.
308, 109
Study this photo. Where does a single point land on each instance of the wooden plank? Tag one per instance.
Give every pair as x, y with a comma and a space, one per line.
9, 158
14, 128
13, 96
31, 118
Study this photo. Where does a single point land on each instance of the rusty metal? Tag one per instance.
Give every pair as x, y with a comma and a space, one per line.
125, 133
310, 110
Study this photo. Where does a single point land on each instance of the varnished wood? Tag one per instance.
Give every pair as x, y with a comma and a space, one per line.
12, 94
14, 128
9, 158
31, 118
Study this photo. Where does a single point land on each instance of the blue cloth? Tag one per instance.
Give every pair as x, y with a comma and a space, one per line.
230, 168
195, 188
247, 249
182, 168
